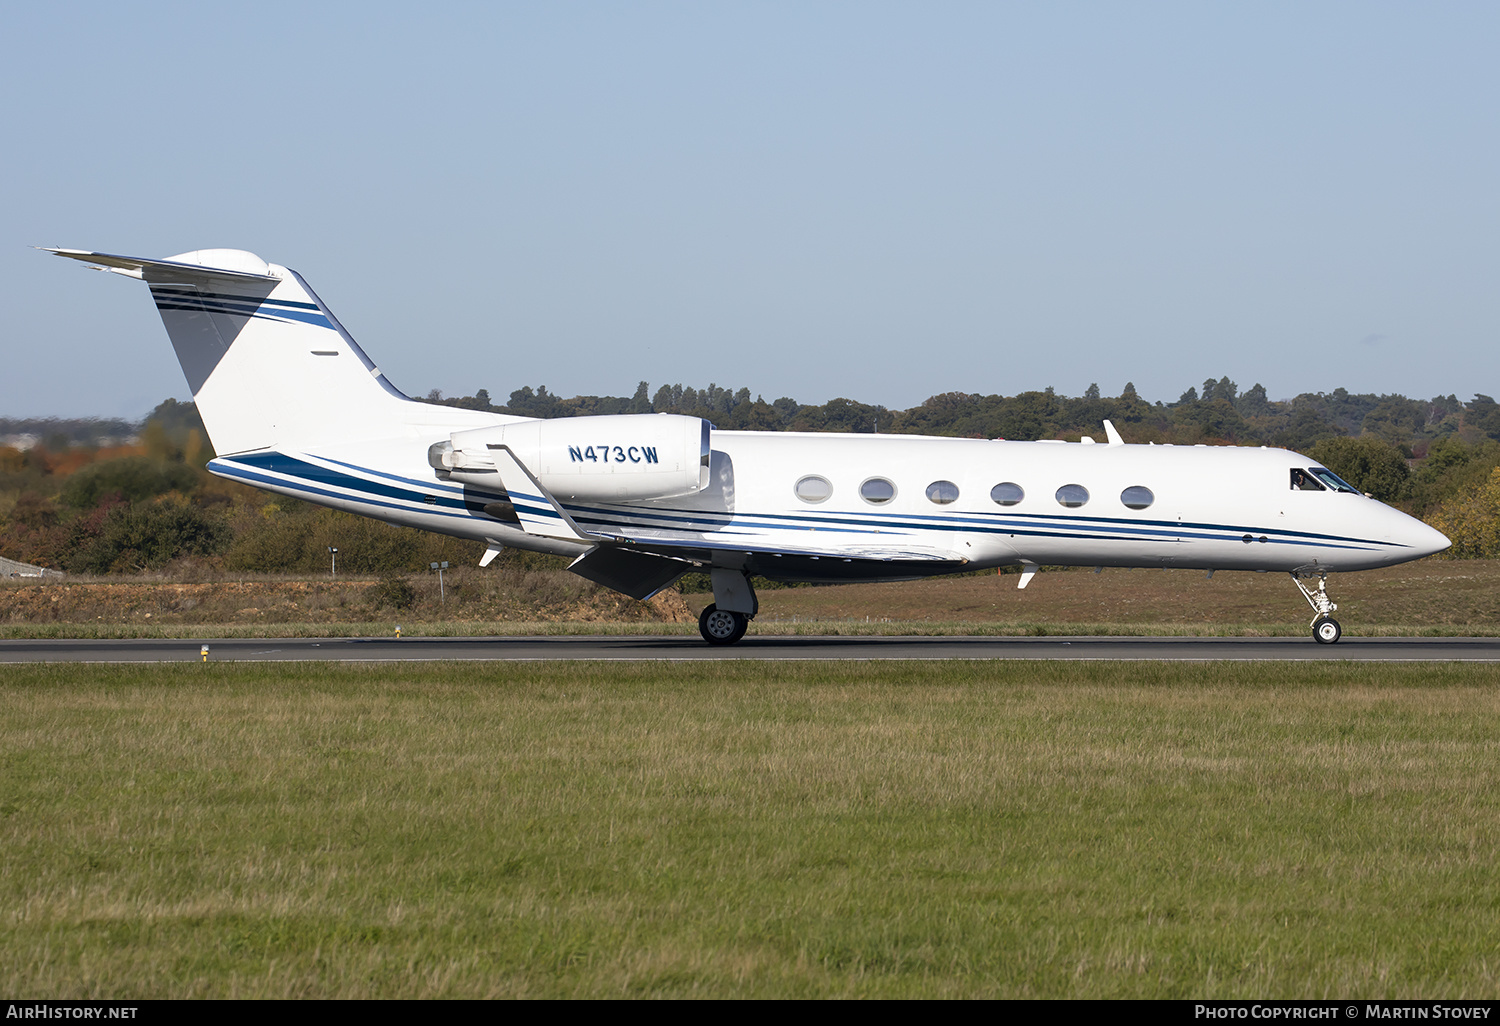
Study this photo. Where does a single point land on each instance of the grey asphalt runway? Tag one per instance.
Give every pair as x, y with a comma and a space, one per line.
767, 648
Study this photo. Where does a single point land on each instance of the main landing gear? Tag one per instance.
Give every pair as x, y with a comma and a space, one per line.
1325, 629
734, 606
722, 627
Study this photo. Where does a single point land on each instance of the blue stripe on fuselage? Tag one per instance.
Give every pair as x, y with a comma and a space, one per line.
624, 519
302, 471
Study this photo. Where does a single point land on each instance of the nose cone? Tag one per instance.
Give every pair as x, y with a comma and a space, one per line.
1425, 540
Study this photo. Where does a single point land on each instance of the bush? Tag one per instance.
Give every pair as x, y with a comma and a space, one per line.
271, 540
1453, 471
148, 536
1473, 522
133, 478
393, 592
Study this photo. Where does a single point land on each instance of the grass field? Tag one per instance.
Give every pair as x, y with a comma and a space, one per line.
727, 829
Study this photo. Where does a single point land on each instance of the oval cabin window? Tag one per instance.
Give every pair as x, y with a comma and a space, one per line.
942, 492
1007, 493
1137, 497
1072, 495
813, 488
878, 491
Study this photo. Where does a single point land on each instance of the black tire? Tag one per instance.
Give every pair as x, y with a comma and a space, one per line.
1327, 630
721, 627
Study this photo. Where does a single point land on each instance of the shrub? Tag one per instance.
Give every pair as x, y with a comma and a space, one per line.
1473, 522
394, 592
133, 478
276, 541
148, 536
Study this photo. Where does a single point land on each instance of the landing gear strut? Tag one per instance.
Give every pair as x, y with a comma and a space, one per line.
1325, 628
722, 627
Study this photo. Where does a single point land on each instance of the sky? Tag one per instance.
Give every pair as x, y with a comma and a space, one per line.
880, 201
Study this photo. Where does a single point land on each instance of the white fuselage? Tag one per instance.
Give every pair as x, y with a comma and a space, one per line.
1211, 507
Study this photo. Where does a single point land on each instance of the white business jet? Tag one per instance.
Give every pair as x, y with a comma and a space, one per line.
293, 405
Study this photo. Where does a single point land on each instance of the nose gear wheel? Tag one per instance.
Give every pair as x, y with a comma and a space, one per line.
1327, 630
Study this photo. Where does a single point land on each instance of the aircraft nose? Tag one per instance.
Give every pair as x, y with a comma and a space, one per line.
1424, 539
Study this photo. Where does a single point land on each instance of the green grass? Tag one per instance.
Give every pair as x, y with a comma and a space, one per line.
901, 830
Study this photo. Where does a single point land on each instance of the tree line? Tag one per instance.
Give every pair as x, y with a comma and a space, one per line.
1217, 412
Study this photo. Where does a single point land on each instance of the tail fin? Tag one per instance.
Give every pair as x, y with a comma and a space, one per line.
268, 364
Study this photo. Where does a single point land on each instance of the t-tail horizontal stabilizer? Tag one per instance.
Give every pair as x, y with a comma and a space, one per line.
268, 364
241, 266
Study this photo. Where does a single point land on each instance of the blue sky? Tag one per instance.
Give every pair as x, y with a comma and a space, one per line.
879, 201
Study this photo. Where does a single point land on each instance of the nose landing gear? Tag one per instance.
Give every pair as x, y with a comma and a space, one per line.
1325, 629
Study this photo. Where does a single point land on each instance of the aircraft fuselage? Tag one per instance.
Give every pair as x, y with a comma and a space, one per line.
997, 503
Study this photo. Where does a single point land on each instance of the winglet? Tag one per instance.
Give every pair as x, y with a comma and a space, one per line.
1113, 435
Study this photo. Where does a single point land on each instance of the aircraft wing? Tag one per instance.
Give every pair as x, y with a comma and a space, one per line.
642, 569
864, 554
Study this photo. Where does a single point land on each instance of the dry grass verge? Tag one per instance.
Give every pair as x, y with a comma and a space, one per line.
1431, 597
143, 607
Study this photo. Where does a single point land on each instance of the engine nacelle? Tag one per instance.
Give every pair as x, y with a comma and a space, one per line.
599, 459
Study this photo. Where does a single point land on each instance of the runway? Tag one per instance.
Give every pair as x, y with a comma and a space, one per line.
638, 648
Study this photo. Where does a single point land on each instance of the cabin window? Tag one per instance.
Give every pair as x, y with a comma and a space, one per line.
1007, 493
942, 492
813, 488
1072, 495
1332, 480
1137, 497
877, 490
1302, 481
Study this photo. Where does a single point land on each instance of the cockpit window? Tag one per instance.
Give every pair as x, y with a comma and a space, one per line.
1332, 480
1302, 481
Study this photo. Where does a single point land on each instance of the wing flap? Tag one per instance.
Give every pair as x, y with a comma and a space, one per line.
638, 574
